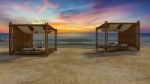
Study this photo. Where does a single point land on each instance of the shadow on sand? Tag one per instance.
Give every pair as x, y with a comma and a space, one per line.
5, 57
96, 54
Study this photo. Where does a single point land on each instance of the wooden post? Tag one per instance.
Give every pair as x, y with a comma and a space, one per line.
47, 39
138, 26
106, 36
10, 38
96, 39
32, 38
47, 35
56, 40
45, 27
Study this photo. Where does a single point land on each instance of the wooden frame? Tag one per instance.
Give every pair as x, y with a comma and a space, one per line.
19, 39
130, 36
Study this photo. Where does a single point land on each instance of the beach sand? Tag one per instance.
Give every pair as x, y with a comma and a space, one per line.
76, 66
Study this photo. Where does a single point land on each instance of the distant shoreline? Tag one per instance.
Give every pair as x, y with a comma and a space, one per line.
74, 45
88, 33
76, 40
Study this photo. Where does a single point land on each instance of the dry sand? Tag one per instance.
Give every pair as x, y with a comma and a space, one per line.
76, 66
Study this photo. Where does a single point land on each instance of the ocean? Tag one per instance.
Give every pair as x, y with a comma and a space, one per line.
85, 40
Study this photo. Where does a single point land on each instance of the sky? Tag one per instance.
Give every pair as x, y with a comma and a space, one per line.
74, 16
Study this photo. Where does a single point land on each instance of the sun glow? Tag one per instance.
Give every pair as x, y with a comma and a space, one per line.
69, 18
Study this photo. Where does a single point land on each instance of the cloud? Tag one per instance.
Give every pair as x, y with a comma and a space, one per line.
28, 8
77, 9
94, 16
89, 20
42, 12
73, 18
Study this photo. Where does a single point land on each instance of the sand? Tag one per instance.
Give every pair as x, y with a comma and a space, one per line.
76, 66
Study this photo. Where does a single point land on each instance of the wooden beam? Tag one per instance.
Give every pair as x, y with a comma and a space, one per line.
31, 28
122, 23
29, 25
101, 26
106, 36
45, 38
138, 26
119, 26
47, 34
96, 39
56, 39
10, 38
50, 27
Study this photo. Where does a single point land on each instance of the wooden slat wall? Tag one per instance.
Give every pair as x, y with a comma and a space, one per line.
129, 37
21, 40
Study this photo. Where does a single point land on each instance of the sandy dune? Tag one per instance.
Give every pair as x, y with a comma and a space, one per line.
76, 66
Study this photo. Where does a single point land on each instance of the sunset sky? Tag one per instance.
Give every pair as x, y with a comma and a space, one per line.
73, 16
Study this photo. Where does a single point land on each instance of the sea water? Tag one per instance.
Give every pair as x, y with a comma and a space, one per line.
75, 40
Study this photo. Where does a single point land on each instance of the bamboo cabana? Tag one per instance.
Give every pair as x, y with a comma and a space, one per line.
128, 36
21, 38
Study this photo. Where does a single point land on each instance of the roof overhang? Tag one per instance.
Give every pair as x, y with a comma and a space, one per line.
115, 27
34, 28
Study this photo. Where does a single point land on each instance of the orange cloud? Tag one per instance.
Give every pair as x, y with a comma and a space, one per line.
87, 21
72, 28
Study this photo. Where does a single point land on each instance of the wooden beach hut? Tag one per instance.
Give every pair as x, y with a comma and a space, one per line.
128, 36
21, 38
